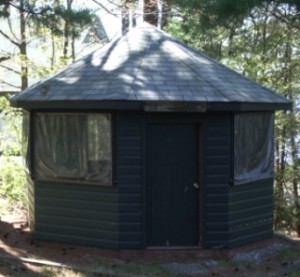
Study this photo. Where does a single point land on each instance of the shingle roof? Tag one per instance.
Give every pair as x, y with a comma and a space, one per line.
147, 66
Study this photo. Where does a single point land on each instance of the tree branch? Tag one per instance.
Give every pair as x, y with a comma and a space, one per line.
5, 58
8, 84
103, 7
11, 29
9, 38
285, 18
10, 69
113, 3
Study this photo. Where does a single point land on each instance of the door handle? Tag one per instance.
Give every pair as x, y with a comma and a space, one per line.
196, 186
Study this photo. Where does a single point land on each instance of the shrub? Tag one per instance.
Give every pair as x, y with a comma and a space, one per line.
12, 180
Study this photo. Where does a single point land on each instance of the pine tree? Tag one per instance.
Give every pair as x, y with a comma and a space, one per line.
38, 18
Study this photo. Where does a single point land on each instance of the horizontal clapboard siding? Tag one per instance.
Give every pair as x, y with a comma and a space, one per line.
79, 214
115, 217
129, 167
31, 203
216, 180
250, 212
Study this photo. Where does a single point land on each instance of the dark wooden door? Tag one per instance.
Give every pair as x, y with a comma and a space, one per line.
172, 164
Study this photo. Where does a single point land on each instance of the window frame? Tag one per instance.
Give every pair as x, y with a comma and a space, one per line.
233, 160
27, 136
66, 180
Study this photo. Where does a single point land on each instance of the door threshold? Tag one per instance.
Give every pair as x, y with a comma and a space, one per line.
196, 247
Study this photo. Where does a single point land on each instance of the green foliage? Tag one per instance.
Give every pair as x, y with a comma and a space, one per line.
40, 24
289, 254
12, 181
259, 39
52, 18
249, 265
284, 212
224, 12
193, 32
12, 174
10, 131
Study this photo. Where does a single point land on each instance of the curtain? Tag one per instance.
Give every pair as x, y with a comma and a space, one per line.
74, 147
253, 147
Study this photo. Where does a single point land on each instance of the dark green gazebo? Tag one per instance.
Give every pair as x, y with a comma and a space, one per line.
149, 143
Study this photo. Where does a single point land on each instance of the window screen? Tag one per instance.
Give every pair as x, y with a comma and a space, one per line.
73, 147
25, 139
253, 147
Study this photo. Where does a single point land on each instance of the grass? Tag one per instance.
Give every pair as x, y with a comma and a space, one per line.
235, 263
290, 255
294, 273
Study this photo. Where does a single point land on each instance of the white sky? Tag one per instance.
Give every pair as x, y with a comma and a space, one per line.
111, 23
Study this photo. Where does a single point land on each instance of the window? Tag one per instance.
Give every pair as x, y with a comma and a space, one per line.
25, 140
73, 147
253, 147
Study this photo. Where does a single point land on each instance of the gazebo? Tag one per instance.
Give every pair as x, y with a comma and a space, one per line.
149, 143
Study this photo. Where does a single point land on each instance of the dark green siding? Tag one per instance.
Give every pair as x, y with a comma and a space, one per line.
250, 212
130, 154
115, 217
129, 171
216, 180
31, 203
80, 214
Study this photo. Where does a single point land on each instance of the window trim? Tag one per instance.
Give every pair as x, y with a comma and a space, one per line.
67, 180
233, 143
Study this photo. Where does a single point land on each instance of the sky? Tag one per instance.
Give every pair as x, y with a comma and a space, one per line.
111, 24
110, 21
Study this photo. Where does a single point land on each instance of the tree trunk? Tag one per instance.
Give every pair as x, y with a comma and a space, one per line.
292, 121
127, 6
67, 30
53, 55
156, 12
23, 47
125, 17
73, 45
280, 176
295, 173
151, 11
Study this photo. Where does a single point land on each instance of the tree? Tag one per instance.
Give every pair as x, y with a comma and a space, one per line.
154, 12
37, 18
12, 175
4, 8
225, 11
261, 41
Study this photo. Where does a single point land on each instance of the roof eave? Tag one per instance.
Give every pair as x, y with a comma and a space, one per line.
77, 105
151, 106
250, 107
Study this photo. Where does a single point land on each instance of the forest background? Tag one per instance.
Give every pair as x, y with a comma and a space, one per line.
260, 39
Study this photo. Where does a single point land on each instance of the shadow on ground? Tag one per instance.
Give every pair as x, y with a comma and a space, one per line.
16, 243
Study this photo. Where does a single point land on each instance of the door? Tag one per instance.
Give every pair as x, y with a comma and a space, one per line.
172, 183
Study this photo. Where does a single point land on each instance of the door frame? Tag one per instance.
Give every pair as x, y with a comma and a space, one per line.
200, 179
201, 190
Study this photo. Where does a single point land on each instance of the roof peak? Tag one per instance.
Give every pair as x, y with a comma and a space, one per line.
148, 65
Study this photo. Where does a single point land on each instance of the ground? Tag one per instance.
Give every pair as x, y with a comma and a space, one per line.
21, 255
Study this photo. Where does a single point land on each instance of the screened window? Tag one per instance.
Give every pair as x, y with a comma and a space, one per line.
73, 147
253, 147
25, 139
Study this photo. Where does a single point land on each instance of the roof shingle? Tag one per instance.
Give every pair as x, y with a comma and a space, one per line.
148, 65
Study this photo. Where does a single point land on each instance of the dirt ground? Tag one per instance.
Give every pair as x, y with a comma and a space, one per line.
21, 255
